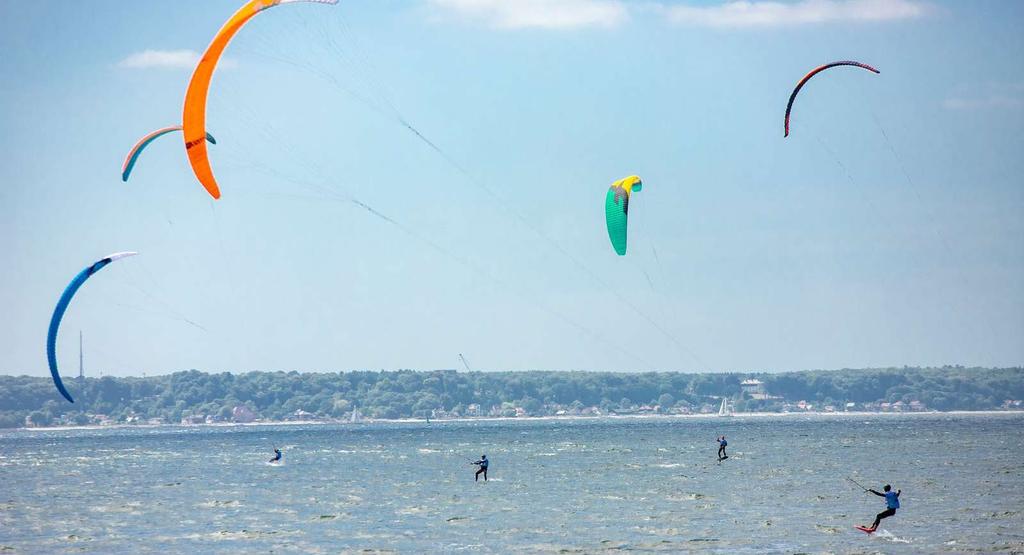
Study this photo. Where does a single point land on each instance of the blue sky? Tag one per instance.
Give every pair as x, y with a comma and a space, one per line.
886, 230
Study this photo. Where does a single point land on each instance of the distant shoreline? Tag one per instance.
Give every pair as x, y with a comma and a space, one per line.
711, 416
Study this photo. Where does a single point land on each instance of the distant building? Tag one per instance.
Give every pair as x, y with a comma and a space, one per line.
752, 386
754, 389
242, 414
193, 419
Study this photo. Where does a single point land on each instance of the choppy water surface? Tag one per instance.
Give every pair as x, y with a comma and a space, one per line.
570, 486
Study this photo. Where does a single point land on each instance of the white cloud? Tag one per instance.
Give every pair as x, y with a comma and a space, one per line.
743, 13
163, 59
991, 96
545, 14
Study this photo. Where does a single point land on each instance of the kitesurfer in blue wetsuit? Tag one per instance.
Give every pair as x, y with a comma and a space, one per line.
482, 463
892, 502
721, 448
277, 455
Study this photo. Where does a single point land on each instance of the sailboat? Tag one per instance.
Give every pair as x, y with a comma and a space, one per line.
724, 409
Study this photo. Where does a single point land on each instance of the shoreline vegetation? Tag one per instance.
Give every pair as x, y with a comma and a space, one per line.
270, 398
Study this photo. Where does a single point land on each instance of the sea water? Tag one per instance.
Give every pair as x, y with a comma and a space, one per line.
584, 485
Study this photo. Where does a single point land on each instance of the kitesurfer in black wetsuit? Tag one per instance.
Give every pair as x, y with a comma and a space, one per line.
482, 463
277, 455
892, 502
721, 448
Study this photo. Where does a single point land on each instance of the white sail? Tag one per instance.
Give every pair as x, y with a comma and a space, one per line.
724, 409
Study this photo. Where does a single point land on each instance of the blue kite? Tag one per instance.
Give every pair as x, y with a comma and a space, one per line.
58, 314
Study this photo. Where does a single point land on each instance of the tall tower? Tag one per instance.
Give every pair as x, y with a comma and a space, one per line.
81, 359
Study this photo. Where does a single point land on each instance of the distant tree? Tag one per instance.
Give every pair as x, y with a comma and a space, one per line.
531, 405
666, 400
40, 418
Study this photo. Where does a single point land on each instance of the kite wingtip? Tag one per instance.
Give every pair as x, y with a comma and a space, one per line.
213, 189
64, 393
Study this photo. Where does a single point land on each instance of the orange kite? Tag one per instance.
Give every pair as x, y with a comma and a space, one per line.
194, 113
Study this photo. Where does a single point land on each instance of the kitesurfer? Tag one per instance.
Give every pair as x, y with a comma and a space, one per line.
892, 502
482, 463
277, 455
721, 448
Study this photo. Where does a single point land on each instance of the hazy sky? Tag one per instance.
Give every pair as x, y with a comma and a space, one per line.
886, 230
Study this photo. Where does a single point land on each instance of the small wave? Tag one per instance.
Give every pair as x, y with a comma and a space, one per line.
663, 531
239, 535
351, 499
889, 536
123, 508
217, 504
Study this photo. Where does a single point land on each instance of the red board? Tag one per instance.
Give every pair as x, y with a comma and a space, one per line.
865, 529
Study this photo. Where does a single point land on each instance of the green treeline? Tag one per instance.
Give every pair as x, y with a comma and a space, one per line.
199, 397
